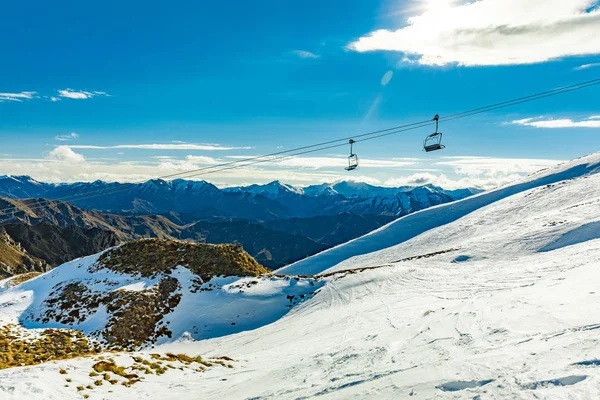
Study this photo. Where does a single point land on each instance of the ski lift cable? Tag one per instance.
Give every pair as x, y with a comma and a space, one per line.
391, 131
41, 204
575, 86
493, 108
365, 136
185, 174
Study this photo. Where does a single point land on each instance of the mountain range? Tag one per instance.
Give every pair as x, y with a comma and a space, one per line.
276, 223
272, 201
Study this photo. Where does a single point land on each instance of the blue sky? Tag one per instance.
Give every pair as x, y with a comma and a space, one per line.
206, 82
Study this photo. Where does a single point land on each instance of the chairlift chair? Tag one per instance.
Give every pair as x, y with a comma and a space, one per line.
353, 159
433, 142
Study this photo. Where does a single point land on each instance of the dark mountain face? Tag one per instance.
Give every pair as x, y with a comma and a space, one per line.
331, 230
56, 245
14, 259
271, 248
58, 232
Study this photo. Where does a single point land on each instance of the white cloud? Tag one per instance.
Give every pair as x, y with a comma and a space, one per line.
479, 172
338, 162
587, 66
19, 97
362, 179
492, 32
331, 162
188, 164
305, 54
198, 160
54, 99
64, 153
495, 167
57, 170
78, 95
445, 182
70, 136
538, 122
166, 146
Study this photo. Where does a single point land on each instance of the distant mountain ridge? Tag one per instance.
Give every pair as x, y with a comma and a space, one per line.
271, 201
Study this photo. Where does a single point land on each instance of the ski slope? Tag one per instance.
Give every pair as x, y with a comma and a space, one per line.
501, 302
414, 224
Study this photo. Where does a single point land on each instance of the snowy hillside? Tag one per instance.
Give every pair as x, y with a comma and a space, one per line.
414, 224
500, 300
152, 291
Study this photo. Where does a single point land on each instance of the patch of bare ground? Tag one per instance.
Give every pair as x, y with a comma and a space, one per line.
152, 257
20, 348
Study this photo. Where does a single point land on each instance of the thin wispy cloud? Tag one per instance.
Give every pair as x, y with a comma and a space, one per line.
478, 172
64, 93
338, 162
494, 167
18, 97
305, 54
447, 172
539, 122
587, 66
188, 164
163, 146
79, 95
64, 138
491, 32
446, 182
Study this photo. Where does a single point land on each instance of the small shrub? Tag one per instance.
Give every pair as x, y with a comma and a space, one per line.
107, 366
62, 371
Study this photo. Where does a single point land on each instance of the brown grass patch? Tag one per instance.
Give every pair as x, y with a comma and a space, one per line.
51, 344
152, 257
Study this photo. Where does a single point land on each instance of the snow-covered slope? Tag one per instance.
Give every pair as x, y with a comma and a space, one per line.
164, 288
500, 303
414, 224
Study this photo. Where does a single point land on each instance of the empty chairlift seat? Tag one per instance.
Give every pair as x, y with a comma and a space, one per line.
353, 159
433, 142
